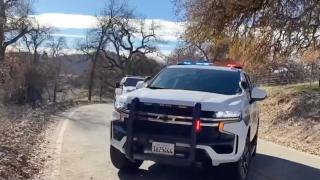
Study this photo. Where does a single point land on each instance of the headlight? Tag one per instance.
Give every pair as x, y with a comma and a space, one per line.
120, 105
228, 114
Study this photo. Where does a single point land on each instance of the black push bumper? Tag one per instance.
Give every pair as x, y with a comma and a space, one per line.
190, 151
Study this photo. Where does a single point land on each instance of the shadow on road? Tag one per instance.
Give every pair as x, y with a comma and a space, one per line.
162, 172
281, 169
263, 167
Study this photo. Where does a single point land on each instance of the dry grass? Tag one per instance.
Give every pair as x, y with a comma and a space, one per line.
21, 132
77, 94
290, 116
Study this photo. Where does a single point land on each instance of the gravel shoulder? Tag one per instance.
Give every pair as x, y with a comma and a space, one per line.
290, 116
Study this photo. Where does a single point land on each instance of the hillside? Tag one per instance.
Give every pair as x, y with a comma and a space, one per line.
77, 63
290, 116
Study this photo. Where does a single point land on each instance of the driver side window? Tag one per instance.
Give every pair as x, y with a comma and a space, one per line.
248, 91
249, 82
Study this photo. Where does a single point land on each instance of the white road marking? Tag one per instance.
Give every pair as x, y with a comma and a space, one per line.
59, 141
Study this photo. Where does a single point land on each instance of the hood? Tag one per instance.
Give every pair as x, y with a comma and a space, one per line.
129, 88
209, 101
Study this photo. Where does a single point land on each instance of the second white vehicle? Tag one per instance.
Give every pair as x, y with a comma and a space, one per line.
128, 84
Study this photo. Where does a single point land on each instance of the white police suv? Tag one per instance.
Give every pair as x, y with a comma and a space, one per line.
190, 113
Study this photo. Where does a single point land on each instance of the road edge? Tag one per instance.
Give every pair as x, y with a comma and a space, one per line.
291, 149
59, 142
54, 141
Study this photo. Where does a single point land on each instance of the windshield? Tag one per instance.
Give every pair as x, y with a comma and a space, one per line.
206, 80
132, 81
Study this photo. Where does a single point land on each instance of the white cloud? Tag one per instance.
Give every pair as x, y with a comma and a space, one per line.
168, 30
61, 20
165, 45
70, 35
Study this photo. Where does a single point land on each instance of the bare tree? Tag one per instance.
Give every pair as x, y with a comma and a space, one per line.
183, 52
102, 74
14, 22
118, 29
96, 37
57, 48
129, 36
37, 37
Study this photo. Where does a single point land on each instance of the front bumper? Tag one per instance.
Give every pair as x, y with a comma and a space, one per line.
188, 150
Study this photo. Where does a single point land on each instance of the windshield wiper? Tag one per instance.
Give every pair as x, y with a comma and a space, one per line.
150, 87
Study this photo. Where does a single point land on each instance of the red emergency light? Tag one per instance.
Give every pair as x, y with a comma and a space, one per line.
231, 65
238, 66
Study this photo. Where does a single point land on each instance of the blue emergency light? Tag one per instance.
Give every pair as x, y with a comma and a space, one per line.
187, 62
205, 64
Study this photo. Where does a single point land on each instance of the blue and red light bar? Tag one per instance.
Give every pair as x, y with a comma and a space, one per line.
207, 63
203, 63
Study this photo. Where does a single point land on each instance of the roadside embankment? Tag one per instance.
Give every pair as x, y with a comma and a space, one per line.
290, 116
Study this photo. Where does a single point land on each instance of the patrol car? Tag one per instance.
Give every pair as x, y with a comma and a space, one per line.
127, 84
190, 113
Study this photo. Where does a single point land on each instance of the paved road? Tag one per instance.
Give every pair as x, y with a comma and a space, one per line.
84, 154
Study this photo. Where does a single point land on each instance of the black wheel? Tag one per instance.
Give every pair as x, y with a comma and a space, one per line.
121, 162
240, 169
254, 143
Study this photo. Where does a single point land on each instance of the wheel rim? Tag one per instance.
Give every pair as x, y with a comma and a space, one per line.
244, 161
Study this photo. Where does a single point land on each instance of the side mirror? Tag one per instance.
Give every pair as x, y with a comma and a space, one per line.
258, 94
140, 84
147, 78
117, 85
244, 85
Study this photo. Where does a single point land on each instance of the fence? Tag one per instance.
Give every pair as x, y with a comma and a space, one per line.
276, 79
291, 75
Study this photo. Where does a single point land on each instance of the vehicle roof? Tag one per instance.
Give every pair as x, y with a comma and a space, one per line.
206, 67
134, 77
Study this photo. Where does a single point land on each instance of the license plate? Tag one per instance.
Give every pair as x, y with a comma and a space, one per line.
162, 148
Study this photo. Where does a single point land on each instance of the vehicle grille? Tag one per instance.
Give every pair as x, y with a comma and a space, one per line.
206, 135
174, 110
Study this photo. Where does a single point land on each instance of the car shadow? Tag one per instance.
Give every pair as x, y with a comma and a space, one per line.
164, 172
282, 169
263, 167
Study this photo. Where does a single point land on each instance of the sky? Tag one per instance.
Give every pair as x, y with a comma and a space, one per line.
72, 17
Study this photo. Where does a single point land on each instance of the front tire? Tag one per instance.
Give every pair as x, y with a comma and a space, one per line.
240, 170
255, 145
121, 162
255, 142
